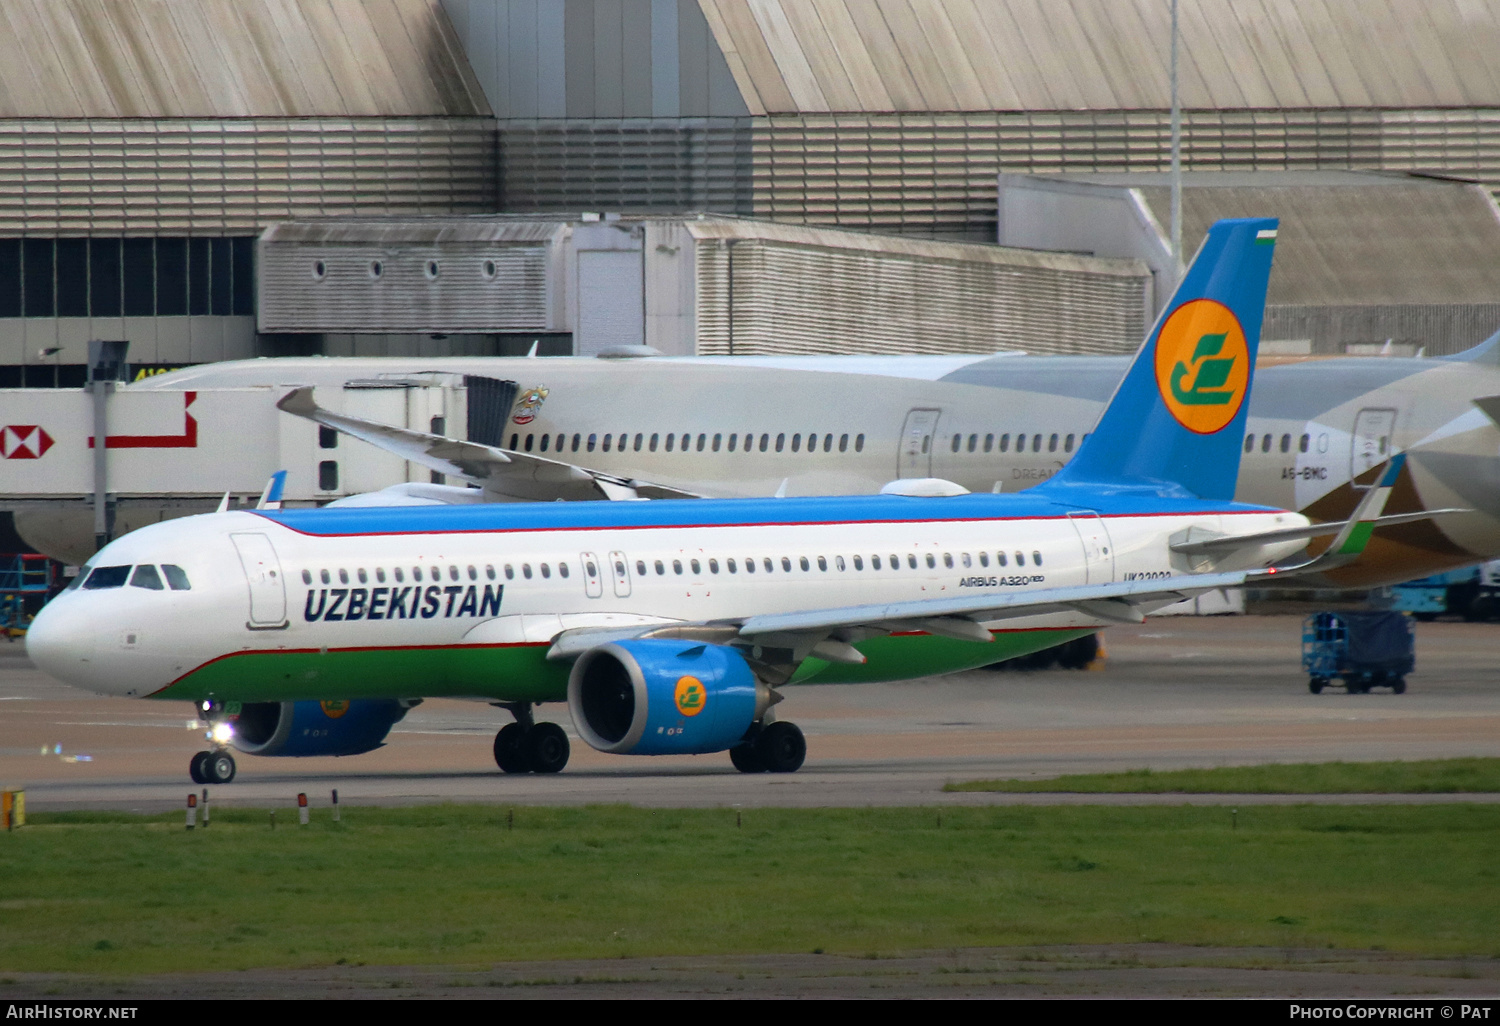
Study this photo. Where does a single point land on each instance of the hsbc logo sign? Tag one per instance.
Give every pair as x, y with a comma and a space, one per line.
23, 442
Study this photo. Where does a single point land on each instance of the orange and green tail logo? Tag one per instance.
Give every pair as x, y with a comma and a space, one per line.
1202, 365
689, 696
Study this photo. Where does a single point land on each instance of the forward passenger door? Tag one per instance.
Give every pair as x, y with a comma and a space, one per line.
915, 457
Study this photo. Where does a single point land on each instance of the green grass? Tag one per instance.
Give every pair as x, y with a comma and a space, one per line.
117, 894
1439, 776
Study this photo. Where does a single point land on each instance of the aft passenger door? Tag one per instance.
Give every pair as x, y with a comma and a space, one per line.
915, 457
263, 575
593, 583
1371, 444
1098, 560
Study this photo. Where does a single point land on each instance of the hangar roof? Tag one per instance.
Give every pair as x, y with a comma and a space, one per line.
1345, 241
870, 56
232, 59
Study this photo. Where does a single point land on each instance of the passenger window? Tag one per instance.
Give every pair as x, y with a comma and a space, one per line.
717, 439
966, 560
107, 577
895, 562
749, 566
874, 562
526, 570
640, 568
380, 574
510, 573
1068, 444
823, 564
786, 564
1052, 444
473, 574
452, 572
695, 566
729, 563
619, 568
604, 446
546, 570
1036, 443
562, 570
802, 562
1020, 559
1036, 559
529, 440
669, 442
545, 440
859, 563
591, 569
931, 561
639, 439
843, 443
1005, 442
973, 442
989, 443
838, 562
1302, 445
401, 577
145, 576
416, 574
363, 577
948, 560
984, 559
859, 443
911, 560
1286, 443
343, 577
489, 572
677, 566
307, 577
780, 441
593, 440
702, 441
660, 568
1249, 442
766, 562
957, 441
653, 441
177, 578
796, 442
713, 566
576, 440
1020, 443
1265, 444
732, 437
514, 441
1000, 559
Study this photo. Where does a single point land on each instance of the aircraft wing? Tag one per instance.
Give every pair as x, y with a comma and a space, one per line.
505, 474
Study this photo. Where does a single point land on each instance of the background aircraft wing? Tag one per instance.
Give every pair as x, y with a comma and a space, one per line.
505, 474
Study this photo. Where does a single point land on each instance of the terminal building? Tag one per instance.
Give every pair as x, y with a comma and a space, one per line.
156, 154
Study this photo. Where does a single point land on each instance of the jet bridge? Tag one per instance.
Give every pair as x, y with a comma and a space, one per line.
174, 453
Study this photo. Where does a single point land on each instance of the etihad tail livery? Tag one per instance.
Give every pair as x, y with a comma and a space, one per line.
671, 626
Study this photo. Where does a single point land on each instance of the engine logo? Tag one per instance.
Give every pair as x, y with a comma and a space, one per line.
334, 709
1202, 365
689, 696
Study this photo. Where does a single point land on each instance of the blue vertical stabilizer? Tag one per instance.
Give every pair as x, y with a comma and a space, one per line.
1176, 424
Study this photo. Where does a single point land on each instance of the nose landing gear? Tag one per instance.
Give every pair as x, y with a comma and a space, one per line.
214, 766
526, 746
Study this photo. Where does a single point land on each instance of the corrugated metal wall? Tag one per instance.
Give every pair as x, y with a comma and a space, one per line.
455, 286
1439, 328
146, 176
757, 296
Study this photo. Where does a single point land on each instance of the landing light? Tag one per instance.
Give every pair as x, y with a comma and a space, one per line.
223, 733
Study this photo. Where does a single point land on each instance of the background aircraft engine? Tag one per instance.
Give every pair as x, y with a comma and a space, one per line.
315, 728
661, 697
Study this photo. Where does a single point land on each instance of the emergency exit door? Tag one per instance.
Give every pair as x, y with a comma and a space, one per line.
915, 458
1372, 441
1098, 560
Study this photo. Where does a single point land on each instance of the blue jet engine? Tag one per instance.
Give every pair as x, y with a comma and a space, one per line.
654, 696
316, 728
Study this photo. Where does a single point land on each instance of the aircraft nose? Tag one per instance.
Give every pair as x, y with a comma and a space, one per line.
60, 641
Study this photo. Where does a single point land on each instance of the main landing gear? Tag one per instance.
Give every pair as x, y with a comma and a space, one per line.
526, 746
777, 747
215, 766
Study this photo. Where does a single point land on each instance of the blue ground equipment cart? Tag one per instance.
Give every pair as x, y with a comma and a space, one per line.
23, 577
1364, 650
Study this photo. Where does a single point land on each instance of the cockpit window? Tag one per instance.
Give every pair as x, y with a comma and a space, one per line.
145, 576
79, 578
107, 577
177, 578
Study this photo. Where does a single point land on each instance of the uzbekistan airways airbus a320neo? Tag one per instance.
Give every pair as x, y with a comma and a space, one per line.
670, 627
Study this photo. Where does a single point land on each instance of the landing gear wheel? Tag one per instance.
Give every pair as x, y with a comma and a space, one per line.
1398, 685
1317, 684
781, 747
548, 748
745, 758
218, 768
510, 749
195, 768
